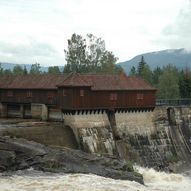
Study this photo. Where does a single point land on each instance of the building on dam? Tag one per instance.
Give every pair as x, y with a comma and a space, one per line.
48, 96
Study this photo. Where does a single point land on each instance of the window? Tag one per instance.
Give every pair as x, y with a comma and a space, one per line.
113, 96
29, 94
50, 95
139, 96
10, 94
64, 92
81, 93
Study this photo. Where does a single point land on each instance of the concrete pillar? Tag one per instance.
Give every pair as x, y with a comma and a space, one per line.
3, 110
39, 111
44, 114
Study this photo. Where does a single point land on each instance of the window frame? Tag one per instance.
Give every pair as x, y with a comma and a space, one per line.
113, 96
50, 95
140, 96
29, 94
9, 93
82, 93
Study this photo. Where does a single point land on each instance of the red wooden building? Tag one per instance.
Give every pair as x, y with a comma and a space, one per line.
78, 92
98, 91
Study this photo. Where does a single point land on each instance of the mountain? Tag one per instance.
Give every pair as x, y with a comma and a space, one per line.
178, 57
10, 66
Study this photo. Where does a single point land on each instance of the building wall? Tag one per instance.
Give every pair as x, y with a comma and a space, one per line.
37, 96
102, 99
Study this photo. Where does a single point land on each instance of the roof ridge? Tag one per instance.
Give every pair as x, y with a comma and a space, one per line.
72, 78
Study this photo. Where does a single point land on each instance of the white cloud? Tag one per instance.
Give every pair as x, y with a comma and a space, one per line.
128, 27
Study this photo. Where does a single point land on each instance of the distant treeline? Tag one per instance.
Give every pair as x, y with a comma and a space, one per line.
170, 82
35, 69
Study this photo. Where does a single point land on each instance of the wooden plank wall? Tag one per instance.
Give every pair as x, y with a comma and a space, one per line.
38, 96
101, 99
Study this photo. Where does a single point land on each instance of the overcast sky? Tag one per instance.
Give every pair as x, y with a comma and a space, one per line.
37, 30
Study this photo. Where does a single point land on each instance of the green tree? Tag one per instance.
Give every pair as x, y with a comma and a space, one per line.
35, 69
133, 71
146, 74
141, 66
185, 84
107, 63
169, 83
144, 71
89, 55
25, 72
76, 54
7, 72
157, 72
54, 70
1, 70
18, 70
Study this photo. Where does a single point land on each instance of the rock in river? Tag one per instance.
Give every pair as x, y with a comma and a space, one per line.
18, 154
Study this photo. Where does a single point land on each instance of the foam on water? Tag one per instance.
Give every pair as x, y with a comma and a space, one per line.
165, 181
37, 181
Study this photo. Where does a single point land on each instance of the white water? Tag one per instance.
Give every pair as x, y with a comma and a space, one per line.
37, 181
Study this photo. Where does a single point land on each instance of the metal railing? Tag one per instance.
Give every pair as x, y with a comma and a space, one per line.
173, 102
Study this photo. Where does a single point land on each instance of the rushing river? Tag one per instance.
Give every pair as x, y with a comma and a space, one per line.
37, 181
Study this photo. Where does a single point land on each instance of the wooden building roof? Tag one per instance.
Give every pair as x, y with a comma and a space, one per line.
31, 82
106, 82
95, 81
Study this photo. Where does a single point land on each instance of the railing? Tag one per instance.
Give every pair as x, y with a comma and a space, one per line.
173, 102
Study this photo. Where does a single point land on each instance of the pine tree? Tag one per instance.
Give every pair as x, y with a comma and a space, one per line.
133, 71
141, 66
144, 71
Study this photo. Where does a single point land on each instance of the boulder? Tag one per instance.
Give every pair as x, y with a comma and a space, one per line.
18, 154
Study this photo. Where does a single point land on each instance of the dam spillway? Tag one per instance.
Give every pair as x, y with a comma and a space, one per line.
157, 138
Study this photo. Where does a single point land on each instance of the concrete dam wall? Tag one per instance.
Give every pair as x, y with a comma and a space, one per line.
158, 138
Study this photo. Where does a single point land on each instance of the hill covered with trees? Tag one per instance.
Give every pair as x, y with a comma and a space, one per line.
171, 82
180, 58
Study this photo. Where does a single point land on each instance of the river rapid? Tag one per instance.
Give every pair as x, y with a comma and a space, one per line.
31, 180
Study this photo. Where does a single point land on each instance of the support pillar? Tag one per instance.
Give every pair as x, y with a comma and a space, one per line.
3, 110
22, 111
39, 111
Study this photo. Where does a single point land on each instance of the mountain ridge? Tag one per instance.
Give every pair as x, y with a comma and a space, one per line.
177, 57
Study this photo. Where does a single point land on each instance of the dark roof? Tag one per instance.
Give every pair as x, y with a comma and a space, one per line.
75, 80
106, 82
95, 81
31, 82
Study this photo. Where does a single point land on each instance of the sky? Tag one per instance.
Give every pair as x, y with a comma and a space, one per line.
37, 30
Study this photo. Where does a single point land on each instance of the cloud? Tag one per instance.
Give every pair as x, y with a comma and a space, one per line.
34, 29
178, 33
28, 53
